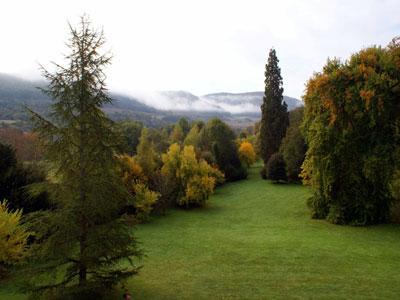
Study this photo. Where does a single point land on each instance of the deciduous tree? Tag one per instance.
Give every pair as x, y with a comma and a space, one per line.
351, 127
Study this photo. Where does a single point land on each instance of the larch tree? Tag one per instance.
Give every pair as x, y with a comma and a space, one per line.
274, 114
84, 240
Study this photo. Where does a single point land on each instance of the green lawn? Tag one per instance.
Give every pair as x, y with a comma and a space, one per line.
256, 241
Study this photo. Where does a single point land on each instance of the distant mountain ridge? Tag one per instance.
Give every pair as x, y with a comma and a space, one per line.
155, 109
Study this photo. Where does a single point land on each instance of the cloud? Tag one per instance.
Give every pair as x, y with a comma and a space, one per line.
199, 46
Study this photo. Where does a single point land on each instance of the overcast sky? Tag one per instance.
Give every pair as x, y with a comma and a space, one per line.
199, 46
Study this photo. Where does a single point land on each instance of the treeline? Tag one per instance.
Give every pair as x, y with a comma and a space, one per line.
346, 142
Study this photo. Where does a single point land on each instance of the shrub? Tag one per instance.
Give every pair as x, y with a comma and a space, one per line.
247, 154
275, 168
293, 147
263, 173
15, 180
144, 200
193, 180
13, 238
135, 181
395, 189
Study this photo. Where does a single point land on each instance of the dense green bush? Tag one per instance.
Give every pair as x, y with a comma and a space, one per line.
15, 180
276, 168
293, 147
395, 188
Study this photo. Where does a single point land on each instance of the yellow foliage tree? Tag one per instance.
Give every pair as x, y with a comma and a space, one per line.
135, 181
194, 179
13, 237
146, 155
246, 153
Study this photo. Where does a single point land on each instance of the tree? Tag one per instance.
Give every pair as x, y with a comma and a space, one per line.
247, 154
135, 181
146, 155
194, 137
351, 127
13, 238
276, 168
177, 134
84, 240
16, 181
220, 140
131, 131
25, 143
185, 125
293, 147
194, 180
274, 115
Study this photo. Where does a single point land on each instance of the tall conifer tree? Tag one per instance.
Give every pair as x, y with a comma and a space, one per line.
85, 239
274, 114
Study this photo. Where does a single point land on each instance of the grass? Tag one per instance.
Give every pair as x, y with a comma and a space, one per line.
256, 240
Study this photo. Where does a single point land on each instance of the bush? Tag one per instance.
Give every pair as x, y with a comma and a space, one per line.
276, 169
293, 147
13, 238
247, 154
263, 173
17, 181
143, 199
395, 189
193, 180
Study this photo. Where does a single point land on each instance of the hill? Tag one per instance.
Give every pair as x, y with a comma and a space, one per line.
155, 109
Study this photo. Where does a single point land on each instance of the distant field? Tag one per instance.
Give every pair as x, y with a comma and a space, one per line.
257, 241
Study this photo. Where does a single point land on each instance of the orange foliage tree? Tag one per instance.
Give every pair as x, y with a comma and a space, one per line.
247, 154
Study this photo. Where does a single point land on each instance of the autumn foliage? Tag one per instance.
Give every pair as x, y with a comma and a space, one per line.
135, 181
352, 117
246, 153
194, 180
13, 237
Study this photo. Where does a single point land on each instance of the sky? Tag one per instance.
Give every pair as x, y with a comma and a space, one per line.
202, 46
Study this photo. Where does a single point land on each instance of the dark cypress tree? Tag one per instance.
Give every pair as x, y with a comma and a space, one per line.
274, 114
84, 240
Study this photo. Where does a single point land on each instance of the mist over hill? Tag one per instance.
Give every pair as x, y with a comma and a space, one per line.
153, 109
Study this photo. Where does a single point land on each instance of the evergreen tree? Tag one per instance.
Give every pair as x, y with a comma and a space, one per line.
274, 115
84, 239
